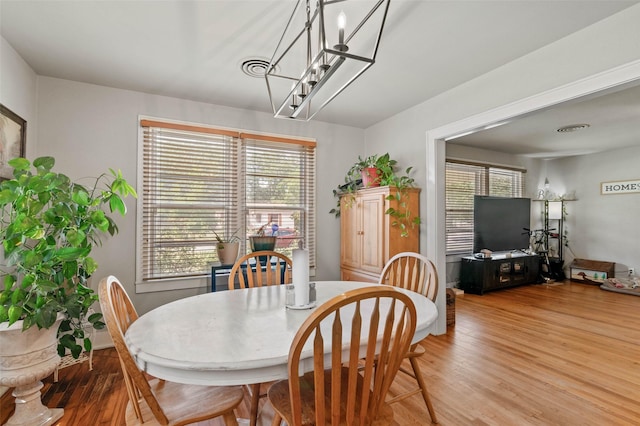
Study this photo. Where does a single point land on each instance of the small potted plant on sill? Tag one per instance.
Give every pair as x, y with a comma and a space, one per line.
49, 227
227, 248
261, 241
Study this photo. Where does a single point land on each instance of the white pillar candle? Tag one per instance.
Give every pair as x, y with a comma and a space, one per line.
300, 274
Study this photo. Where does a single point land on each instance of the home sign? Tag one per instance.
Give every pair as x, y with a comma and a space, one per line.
620, 187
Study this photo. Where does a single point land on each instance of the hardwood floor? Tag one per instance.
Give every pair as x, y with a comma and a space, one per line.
539, 355
564, 354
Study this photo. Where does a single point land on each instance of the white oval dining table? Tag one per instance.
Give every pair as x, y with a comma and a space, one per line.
234, 337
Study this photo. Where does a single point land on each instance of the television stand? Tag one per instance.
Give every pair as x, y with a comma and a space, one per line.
502, 270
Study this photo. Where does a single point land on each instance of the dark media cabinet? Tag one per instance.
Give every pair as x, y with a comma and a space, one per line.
478, 275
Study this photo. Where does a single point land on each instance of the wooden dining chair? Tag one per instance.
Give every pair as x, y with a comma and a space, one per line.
169, 403
270, 268
375, 324
274, 269
414, 272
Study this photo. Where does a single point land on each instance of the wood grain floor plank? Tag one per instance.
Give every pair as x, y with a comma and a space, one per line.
538, 355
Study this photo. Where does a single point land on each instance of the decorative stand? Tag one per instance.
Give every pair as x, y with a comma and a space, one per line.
25, 359
68, 360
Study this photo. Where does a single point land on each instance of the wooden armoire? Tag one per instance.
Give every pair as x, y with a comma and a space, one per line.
367, 237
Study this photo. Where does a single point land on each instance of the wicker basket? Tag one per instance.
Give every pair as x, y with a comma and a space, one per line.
451, 307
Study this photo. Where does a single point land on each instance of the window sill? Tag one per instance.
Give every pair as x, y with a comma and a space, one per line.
183, 283
169, 284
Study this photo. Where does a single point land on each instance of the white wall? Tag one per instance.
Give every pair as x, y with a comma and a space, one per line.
90, 128
601, 227
18, 93
607, 44
18, 84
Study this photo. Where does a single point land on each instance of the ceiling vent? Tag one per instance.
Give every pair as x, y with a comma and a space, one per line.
255, 67
572, 128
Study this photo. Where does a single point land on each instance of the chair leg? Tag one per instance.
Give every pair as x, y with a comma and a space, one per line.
230, 418
277, 420
255, 398
423, 388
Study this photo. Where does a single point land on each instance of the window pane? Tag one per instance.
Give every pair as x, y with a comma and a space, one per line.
462, 182
197, 182
186, 182
279, 181
505, 183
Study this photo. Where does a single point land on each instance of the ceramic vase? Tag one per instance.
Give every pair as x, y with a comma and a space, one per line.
228, 252
260, 243
27, 357
370, 177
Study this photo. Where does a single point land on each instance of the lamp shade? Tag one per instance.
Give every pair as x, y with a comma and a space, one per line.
555, 210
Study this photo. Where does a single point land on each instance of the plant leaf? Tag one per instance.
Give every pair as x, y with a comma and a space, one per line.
14, 313
81, 197
116, 204
97, 316
7, 196
76, 236
9, 280
20, 163
72, 253
46, 317
44, 163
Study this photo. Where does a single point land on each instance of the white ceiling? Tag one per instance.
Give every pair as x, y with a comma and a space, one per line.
193, 49
612, 116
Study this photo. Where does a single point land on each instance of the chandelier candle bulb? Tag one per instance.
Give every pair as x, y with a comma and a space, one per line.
300, 274
314, 72
293, 105
342, 23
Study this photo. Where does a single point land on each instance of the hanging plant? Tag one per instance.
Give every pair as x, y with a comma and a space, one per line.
386, 176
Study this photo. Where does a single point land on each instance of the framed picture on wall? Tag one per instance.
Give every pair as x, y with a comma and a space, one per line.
13, 139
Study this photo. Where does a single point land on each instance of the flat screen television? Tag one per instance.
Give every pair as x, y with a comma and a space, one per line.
499, 223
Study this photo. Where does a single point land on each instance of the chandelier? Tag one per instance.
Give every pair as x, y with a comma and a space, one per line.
326, 46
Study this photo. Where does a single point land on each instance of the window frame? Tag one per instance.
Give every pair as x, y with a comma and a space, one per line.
240, 137
482, 186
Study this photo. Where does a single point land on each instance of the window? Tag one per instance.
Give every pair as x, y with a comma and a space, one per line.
463, 181
197, 180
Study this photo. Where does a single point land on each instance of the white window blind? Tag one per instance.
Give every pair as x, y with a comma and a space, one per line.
280, 188
463, 181
197, 180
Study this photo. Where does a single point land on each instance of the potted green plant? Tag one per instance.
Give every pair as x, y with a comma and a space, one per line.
49, 227
375, 170
366, 169
385, 175
227, 248
261, 241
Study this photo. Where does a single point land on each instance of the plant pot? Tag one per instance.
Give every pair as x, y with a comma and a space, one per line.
260, 243
370, 177
228, 252
25, 359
